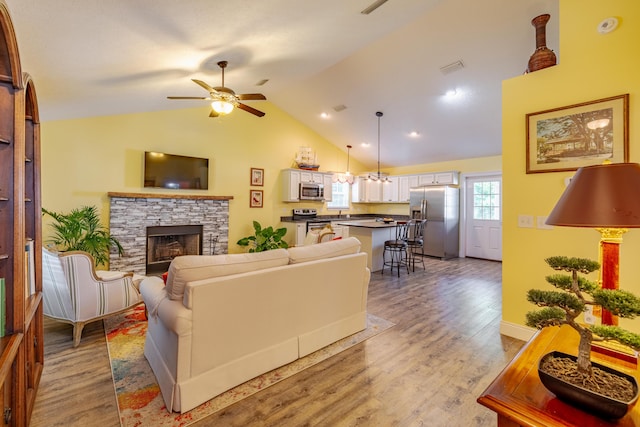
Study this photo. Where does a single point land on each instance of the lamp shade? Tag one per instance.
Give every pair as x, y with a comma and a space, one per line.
601, 196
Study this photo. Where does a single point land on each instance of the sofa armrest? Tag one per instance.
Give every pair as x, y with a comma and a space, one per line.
173, 315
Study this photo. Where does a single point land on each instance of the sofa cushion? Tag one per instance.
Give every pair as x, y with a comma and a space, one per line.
188, 268
331, 249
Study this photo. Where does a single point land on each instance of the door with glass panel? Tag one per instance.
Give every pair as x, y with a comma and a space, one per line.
484, 217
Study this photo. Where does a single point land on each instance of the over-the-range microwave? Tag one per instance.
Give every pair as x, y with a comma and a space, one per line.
311, 191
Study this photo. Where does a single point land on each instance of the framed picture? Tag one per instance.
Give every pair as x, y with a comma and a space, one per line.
566, 138
257, 177
255, 198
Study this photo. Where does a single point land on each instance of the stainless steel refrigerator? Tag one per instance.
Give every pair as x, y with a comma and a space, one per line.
440, 206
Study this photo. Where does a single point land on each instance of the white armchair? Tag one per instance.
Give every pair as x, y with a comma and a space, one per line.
74, 292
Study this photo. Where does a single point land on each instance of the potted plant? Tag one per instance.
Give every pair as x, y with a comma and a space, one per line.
264, 239
596, 388
81, 230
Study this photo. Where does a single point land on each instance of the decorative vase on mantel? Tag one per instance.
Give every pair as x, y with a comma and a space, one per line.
543, 57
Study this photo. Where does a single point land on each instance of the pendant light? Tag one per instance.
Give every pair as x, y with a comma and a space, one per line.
379, 176
344, 177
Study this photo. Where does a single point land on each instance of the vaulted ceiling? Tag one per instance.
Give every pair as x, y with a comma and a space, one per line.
97, 57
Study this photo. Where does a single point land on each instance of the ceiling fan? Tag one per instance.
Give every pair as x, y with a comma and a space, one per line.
223, 100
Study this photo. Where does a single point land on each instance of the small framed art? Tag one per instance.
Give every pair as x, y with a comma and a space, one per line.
255, 198
257, 177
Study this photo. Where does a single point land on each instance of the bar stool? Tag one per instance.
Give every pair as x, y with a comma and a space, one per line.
398, 249
415, 241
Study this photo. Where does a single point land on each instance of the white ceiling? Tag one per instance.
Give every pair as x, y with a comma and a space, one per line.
97, 57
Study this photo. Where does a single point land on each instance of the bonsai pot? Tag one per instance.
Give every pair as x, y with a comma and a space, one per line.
584, 399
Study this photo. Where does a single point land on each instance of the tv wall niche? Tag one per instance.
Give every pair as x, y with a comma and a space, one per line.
163, 170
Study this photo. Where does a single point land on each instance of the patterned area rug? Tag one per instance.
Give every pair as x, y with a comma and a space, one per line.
139, 400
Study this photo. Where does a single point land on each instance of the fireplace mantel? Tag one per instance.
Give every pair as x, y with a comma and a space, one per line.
167, 196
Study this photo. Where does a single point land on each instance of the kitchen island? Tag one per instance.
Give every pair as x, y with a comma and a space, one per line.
372, 234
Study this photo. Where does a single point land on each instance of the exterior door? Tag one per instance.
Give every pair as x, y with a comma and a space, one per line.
484, 217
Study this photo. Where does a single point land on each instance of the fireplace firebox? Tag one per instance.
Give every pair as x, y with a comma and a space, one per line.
164, 243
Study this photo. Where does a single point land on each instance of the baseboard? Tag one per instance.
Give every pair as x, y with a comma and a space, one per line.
513, 330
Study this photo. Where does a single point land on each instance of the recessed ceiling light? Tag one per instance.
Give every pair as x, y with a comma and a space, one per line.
451, 93
365, 144
325, 115
414, 134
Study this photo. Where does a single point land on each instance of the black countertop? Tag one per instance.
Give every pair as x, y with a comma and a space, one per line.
352, 217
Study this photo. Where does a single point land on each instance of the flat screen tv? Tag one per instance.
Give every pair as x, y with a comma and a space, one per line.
162, 170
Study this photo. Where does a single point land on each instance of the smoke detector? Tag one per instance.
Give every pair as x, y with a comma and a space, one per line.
607, 25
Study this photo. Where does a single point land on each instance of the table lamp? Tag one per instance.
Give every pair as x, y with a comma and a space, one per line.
605, 197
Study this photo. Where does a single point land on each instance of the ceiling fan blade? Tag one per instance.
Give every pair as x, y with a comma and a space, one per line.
213, 114
250, 109
204, 85
252, 97
188, 97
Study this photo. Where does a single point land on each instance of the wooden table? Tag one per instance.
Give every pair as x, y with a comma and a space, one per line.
520, 399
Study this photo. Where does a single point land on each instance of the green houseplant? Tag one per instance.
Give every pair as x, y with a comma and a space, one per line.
563, 306
264, 239
81, 230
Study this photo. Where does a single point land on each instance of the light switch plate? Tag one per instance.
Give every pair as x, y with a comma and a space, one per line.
525, 221
541, 220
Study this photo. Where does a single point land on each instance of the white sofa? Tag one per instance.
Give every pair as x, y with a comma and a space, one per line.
222, 320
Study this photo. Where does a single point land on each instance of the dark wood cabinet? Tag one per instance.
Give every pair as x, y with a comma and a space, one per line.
21, 347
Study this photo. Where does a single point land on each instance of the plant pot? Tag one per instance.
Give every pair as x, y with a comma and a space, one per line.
585, 399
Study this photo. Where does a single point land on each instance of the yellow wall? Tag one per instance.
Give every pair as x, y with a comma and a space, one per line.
84, 159
591, 66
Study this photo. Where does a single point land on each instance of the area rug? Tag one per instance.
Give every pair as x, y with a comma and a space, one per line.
138, 394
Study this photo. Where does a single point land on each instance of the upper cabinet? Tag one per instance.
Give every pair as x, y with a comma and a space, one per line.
291, 179
396, 189
439, 178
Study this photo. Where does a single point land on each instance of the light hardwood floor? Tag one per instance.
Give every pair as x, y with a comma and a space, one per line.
427, 370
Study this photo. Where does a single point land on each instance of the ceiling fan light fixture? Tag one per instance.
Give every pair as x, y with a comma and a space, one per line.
222, 107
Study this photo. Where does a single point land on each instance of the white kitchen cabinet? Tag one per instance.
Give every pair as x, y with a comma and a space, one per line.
374, 191
439, 178
301, 233
291, 179
404, 186
327, 182
390, 189
359, 190
311, 176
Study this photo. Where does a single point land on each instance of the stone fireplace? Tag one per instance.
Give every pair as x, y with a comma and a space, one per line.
133, 214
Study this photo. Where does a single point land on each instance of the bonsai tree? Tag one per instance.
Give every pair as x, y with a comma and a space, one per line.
574, 295
81, 230
264, 239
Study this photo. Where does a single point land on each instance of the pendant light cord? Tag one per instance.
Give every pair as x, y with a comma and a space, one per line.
379, 114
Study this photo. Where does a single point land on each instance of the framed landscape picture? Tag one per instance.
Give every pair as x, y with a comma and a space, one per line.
255, 198
257, 177
567, 138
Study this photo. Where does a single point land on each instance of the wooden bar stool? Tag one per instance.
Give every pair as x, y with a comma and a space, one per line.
397, 249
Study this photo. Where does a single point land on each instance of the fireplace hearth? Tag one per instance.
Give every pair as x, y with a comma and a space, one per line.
166, 242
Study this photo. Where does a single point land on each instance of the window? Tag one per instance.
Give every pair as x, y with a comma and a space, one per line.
339, 196
486, 200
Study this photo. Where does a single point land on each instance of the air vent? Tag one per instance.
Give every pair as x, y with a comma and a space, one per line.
339, 108
262, 82
376, 4
454, 66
